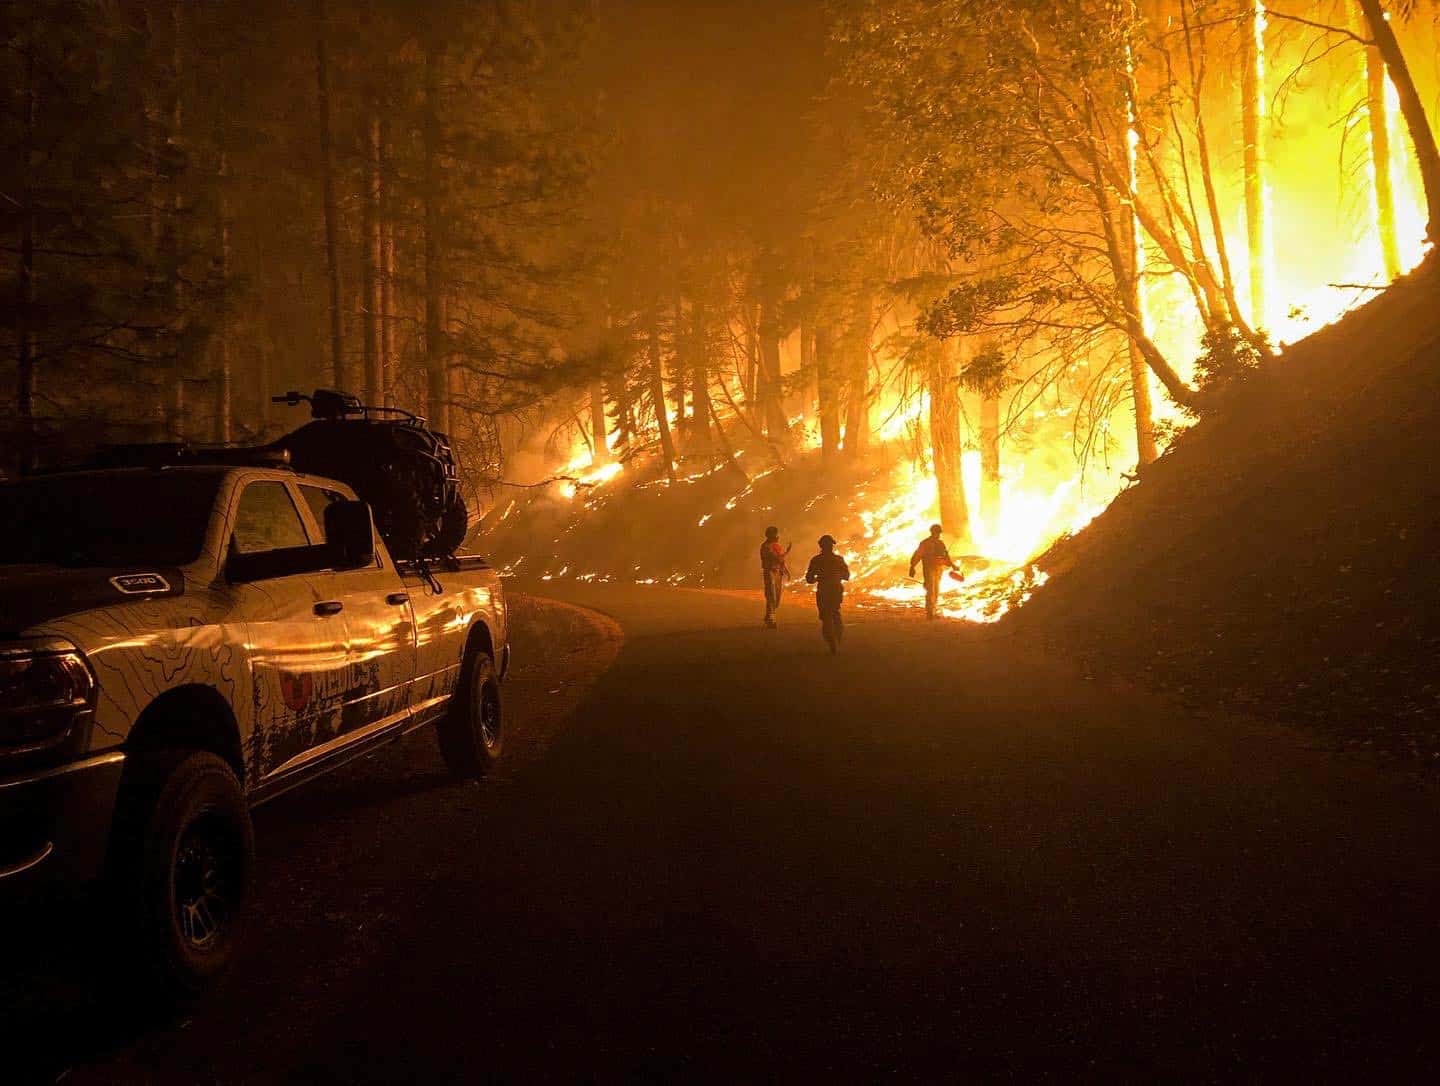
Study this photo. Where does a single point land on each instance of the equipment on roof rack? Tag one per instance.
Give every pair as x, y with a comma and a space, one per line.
164, 454
391, 459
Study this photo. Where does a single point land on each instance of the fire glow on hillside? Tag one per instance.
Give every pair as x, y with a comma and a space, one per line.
891, 516
1067, 450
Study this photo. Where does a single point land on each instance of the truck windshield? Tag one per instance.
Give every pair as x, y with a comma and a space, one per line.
106, 519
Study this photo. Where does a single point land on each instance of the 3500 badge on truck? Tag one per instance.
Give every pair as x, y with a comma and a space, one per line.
178, 644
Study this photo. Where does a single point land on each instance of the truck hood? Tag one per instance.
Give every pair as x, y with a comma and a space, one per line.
31, 595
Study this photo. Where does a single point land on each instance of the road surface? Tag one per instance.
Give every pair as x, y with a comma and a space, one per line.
729, 854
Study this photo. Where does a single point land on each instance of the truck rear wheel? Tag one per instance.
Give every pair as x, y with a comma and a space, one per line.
472, 734
185, 861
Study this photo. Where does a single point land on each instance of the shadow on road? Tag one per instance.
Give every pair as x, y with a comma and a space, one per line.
935, 854
329, 856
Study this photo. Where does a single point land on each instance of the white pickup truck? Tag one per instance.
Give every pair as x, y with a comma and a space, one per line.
178, 644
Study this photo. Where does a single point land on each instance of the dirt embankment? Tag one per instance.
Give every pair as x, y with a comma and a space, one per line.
1282, 557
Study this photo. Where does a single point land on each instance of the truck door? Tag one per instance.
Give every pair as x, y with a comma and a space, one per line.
446, 607
379, 631
296, 648
440, 627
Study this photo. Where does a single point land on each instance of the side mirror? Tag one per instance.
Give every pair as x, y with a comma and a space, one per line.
350, 534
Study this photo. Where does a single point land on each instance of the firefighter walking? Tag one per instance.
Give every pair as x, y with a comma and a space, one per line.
934, 559
774, 572
828, 573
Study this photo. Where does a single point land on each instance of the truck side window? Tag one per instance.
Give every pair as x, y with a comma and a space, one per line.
267, 520
317, 498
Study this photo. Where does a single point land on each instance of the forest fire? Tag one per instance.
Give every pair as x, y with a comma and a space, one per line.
954, 327
788, 526
968, 402
887, 516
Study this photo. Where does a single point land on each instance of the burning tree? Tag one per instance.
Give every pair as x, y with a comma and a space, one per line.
1063, 150
941, 258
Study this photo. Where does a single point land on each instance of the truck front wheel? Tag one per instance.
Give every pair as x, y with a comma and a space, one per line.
186, 863
472, 732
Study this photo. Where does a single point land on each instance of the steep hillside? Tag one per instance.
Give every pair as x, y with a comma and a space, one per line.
1285, 556
702, 531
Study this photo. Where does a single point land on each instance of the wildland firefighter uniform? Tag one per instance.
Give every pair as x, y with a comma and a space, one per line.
828, 573
933, 558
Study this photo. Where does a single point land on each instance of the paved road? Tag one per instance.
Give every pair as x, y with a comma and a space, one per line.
940, 853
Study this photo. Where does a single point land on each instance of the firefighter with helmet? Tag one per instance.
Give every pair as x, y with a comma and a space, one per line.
934, 559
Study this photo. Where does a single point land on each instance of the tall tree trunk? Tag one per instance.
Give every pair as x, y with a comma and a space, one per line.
1411, 107
372, 253
727, 449
599, 426
327, 190
857, 378
25, 275
388, 359
945, 449
679, 372
1133, 284
990, 459
657, 398
827, 401
772, 401
1232, 311
263, 389
1252, 108
700, 409
1146, 449
1384, 189
807, 382
175, 409
618, 389
156, 197
1121, 243
806, 387
435, 354
224, 393
750, 371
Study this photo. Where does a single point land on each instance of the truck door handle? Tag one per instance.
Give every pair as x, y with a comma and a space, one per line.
395, 599
329, 607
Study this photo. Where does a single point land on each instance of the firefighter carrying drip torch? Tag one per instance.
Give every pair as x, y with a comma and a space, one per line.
933, 558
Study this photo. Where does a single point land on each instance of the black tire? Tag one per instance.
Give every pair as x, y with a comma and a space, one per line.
472, 733
454, 527
184, 864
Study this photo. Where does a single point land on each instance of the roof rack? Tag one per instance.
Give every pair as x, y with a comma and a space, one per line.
182, 454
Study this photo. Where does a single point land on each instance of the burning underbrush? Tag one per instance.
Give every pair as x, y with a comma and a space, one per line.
632, 524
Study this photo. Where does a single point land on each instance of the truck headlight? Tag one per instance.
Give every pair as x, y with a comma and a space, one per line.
44, 687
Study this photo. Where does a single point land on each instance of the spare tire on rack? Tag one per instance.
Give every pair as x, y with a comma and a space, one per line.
454, 526
392, 460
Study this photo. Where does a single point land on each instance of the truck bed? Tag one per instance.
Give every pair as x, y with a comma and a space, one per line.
460, 563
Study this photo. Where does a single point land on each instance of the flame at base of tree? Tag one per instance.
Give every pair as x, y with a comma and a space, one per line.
1031, 517
878, 523
995, 560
